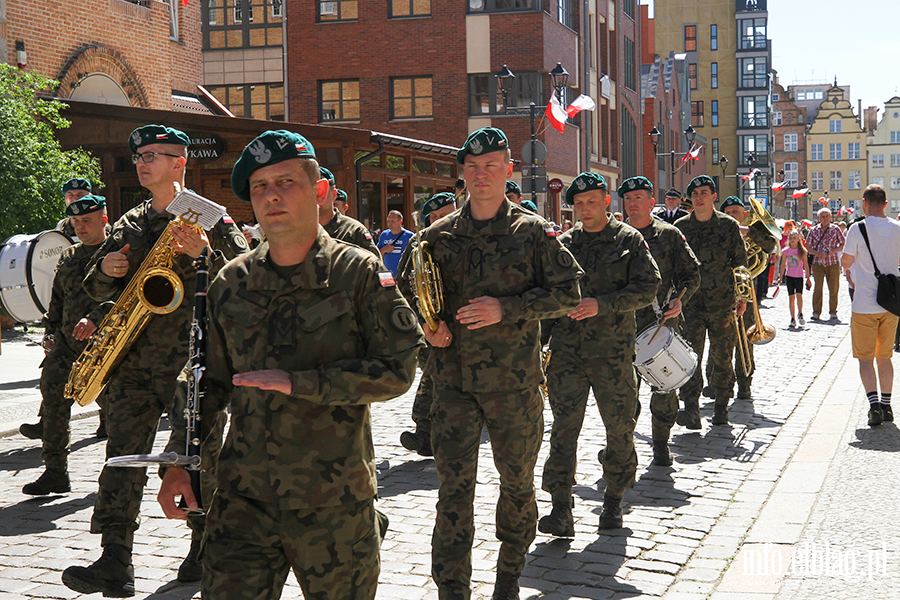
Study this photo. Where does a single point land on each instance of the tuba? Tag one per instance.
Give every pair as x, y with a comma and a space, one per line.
426, 282
154, 289
757, 259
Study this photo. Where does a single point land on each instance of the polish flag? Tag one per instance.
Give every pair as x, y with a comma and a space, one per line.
556, 114
806, 222
750, 175
800, 193
184, 2
844, 211
778, 186
823, 201
694, 154
582, 102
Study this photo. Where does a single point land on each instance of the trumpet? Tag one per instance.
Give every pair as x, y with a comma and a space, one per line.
426, 282
743, 291
757, 258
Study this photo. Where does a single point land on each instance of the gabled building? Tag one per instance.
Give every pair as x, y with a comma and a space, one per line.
884, 154
789, 156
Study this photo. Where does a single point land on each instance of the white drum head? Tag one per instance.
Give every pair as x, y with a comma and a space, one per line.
27, 268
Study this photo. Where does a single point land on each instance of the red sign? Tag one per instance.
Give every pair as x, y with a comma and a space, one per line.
555, 185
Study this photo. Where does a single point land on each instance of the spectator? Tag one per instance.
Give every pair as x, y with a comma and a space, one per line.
794, 269
393, 240
824, 243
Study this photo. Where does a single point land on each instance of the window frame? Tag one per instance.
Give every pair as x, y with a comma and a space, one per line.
792, 174
817, 181
713, 37
821, 152
878, 161
269, 24
854, 150
760, 115
412, 86
835, 125
714, 114
791, 145
697, 113
693, 39
836, 181
339, 4
748, 81
714, 150
854, 179
493, 92
835, 151
341, 101
490, 6
412, 14
714, 75
693, 76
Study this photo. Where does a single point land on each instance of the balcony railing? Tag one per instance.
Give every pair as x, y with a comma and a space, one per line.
753, 42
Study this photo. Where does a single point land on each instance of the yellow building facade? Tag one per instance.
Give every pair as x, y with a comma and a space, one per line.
884, 155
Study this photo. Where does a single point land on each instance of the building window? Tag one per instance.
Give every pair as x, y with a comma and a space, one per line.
259, 101
853, 180
792, 173
409, 8
481, 6
790, 142
697, 113
715, 113
853, 150
692, 75
715, 151
837, 180
277, 9
339, 100
877, 161
895, 137
628, 7
776, 118
834, 126
817, 152
834, 152
754, 72
754, 150
714, 75
630, 78
895, 160
411, 98
752, 34
566, 13
690, 38
895, 183
878, 181
754, 111
776, 97
337, 10
818, 182
714, 37
485, 97
241, 24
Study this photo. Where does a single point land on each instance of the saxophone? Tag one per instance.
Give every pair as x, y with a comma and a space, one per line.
154, 289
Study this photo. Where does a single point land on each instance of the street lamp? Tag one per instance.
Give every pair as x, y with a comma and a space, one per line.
689, 134
558, 79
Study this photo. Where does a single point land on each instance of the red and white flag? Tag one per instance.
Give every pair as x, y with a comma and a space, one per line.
844, 211
806, 222
582, 102
184, 2
778, 186
800, 193
823, 201
694, 154
750, 175
556, 114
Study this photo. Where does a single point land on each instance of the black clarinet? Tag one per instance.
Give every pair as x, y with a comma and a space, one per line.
196, 366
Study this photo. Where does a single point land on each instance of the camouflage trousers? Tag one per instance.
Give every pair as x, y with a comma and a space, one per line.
663, 405
515, 424
250, 547
56, 409
569, 379
718, 323
424, 395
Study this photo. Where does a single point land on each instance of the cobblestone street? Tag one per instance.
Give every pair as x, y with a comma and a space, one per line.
798, 468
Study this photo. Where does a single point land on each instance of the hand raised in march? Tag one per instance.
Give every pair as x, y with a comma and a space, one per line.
481, 312
270, 379
587, 308
115, 264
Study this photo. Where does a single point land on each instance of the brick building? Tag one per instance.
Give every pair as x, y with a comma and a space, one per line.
789, 130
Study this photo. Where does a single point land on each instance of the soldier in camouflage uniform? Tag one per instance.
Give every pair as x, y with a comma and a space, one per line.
679, 271
304, 333
592, 347
419, 441
716, 241
142, 386
340, 226
503, 270
71, 318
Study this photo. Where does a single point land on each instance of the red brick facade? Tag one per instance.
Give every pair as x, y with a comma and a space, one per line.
793, 121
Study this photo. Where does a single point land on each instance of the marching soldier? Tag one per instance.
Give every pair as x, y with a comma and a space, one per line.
679, 271
72, 190
513, 192
71, 318
673, 210
592, 347
716, 241
503, 270
142, 386
338, 225
340, 202
304, 333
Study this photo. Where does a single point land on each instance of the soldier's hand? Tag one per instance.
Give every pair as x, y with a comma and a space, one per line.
47, 344
440, 338
270, 379
674, 309
188, 241
481, 312
741, 308
115, 264
84, 329
587, 308
176, 482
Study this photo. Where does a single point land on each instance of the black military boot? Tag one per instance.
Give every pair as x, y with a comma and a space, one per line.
689, 417
191, 569
661, 455
33, 431
611, 515
743, 392
720, 416
507, 586
560, 521
419, 442
112, 574
51, 481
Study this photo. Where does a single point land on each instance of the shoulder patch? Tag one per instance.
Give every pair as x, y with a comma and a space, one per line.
228, 220
564, 258
386, 278
549, 230
403, 318
367, 235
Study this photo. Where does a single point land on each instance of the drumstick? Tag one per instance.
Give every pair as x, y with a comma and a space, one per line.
653, 337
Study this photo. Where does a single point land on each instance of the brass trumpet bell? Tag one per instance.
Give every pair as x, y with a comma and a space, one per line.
427, 285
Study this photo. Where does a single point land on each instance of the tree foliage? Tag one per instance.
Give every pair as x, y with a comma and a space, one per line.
33, 165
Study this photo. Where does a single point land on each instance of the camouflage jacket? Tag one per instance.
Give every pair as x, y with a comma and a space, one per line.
163, 345
346, 336
69, 303
347, 229
678, 268
516, 258
620, 274
719, 247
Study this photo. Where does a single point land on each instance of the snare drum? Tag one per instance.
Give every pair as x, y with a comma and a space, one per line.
27, 267
666, 363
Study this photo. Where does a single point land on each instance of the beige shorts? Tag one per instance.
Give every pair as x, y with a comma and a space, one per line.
873, 335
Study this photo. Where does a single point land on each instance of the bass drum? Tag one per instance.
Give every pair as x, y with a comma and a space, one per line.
27, 267
667, 362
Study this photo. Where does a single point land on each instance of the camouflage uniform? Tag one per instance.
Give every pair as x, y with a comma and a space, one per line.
491, 376
142, 387
348, 229
296, 475
598, 353
718, 245
69, 303
679, 270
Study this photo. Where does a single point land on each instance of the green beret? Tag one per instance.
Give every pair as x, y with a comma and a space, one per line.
157, 134
700, 181
529, 205
732, 201
633, 184
513, 188
77, 183
326, 174
86, 204
486, 139
673, 193
585, 182
436, 202
267, 149
686, 204
341, 195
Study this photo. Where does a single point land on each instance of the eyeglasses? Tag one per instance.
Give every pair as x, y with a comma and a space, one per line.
149, 157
